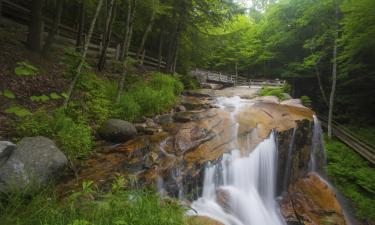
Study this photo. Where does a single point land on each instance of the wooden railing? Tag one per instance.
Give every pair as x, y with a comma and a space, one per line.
67, 37
205, 76
362, 147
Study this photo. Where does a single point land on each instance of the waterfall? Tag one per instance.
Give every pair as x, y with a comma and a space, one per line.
317, 156
239, 189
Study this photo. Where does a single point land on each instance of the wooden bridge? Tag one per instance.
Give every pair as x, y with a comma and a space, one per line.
205, 76
362, 147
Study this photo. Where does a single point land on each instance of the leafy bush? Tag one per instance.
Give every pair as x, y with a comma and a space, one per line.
8, 94
19, 111
189, 82
271, 91
306, 101
161, 81
91, 103
353, 176
127, 109
287, 88
74, 138
118, 207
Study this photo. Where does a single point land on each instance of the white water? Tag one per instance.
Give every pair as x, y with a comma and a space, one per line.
317, 157
247, 180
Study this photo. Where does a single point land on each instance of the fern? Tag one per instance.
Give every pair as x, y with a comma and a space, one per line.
18, 111
25, 69
9, 94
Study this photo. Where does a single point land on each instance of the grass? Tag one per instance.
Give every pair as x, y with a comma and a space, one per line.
89, 207
353, 176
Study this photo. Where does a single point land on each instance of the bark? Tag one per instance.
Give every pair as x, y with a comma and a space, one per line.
34, 36
147, 31
55, 27
126, 33
81, 26
334, 76
316, 67
126, 46
1, 5
108, 34
83, 55
160, 54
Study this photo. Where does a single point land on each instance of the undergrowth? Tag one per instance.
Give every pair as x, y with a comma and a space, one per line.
272, 91
353, 176
90, 207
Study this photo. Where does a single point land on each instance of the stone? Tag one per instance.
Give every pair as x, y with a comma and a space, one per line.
6, 149
34, 162
164, 120
202, 220
180, 108
116, 130
312, 201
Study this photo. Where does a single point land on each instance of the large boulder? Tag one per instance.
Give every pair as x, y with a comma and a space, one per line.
33, 163
116, 130
6, 149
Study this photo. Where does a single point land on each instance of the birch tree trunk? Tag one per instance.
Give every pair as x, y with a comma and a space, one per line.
147, 31
126, 46
320, 84
108, 33
55, 27
334, 75
84, 53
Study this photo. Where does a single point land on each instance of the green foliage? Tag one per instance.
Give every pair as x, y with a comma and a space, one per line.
91, 104
353, 176
149, 98
19, 111
272, 91
55, 96
25, 69
42, 98
287, 88
306, 101
8, 94
74, 138
118, 207
189, 82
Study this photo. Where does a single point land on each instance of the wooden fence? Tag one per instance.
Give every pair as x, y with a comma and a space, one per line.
67, 37
205, 76
362, 147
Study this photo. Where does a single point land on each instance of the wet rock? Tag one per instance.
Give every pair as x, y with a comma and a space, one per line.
34, 162
312, 201
116, 130
223, 199
202, 220
193, 103
164, 120
180, 108
188, 116
198, 93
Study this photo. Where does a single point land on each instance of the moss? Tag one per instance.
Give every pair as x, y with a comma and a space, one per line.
353, 176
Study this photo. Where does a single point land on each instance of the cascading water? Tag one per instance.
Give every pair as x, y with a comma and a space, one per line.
240, 188
317, 157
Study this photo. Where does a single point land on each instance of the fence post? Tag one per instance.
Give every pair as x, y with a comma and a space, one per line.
143, 56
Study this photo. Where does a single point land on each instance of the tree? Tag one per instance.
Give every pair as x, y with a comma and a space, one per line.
34, 36
81, 26
55, 26
141, 48
107, 33
83, 55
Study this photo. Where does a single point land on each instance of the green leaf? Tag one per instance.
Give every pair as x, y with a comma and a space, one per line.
55, 96
64, 95
18, 111
44, 98
25, 69
9, 94
35, 98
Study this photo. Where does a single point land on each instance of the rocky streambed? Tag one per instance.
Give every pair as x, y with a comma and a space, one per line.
175, 151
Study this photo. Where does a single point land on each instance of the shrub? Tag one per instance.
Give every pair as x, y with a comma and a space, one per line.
127, 109
74, 138
271, 91
353, 176
189, 82
306, 101
161, 81
287, 88
141, 207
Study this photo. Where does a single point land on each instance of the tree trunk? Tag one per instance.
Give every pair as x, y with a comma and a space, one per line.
83, 55
126, 33
147, 31
107, 36
1, 6
160, 55
334, 76
55, 27
320, 84
34, 37
81, 26
126, 46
